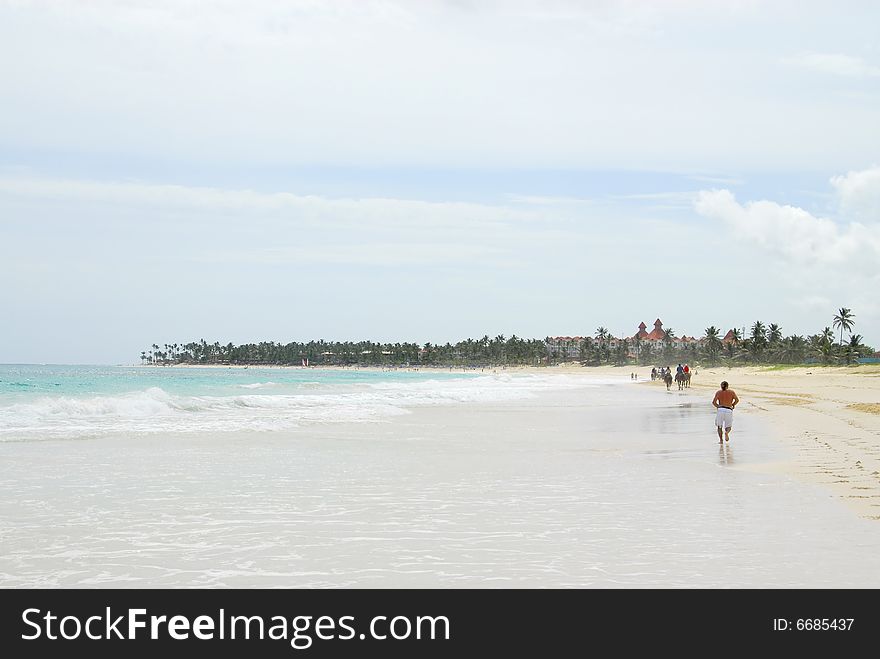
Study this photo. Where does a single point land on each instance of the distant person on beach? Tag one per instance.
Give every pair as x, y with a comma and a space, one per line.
679, 369
686, 369
725, 400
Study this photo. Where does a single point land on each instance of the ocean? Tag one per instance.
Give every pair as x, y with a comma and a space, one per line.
40, 402
151, 477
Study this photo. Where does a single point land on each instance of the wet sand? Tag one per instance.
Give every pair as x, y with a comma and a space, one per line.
828, 416
614, 486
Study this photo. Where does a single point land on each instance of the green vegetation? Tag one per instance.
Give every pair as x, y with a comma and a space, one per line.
768, 345
763, 344
485, 351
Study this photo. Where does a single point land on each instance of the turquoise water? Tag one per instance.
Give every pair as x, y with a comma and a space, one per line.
19, 382
618, 486
247, 478
40, 402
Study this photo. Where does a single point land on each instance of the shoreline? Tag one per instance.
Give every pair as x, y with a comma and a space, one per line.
607, 485
557, 368
564, 489
828, 416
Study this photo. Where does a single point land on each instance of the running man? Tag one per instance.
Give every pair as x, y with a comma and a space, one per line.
725, 400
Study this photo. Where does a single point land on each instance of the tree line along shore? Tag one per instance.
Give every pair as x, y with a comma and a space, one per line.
762, 343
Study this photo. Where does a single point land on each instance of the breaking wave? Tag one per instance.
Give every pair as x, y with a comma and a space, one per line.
155, 410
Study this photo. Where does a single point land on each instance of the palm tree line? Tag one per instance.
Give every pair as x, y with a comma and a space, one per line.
766, 344
485, 351
604, 349
760, 344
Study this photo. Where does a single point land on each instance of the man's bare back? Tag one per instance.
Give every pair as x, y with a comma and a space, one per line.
725, 398
724, 402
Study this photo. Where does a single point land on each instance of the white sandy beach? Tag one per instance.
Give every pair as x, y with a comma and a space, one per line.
830, 417
618, 485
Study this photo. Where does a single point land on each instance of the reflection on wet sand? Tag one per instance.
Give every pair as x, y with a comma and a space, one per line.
725, 454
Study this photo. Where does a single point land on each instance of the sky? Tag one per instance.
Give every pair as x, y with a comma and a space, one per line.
432, 170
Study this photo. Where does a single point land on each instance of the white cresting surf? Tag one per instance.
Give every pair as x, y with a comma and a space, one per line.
492, 480
76, 402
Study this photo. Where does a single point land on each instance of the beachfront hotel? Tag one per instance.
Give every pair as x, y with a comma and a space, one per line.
569, 347
658, 336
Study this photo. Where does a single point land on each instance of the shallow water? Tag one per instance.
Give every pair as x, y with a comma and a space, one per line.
618, 486
75, 402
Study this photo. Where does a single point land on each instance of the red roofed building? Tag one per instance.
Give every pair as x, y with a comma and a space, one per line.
657, 338
656, 334
729, 337
642, 342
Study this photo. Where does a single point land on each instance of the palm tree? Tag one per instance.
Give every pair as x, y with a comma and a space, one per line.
759, 334
757, 340
774, 334
586, 350
853, 349
621, 351
790, 350
844, 320
668, 340
712, 343
823, 345
602, 348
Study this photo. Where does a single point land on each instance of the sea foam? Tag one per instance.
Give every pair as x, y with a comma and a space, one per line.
272, 407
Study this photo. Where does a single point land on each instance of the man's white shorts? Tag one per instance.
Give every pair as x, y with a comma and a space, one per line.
724, 418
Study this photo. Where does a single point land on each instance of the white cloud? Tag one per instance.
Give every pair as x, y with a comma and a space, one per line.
375, 212
681, 198
228, 226
859, 193
538, 200
495, 84
836, 64
794, 233
720, 180
813, 260
377, 254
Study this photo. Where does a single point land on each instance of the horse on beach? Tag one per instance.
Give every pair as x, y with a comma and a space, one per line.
667, 378
683, 380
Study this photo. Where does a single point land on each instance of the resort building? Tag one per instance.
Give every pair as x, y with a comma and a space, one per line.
656, 335
658, 338
643, 341
564, 347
